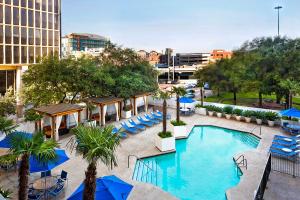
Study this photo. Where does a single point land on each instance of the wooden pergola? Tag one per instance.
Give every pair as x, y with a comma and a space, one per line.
55, 113
134, 104
103, 102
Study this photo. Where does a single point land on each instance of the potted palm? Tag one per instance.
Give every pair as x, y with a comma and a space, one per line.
90, 122
219, 111
126, 112
228, 111
271, 117
259, 117
95, 144
238, 114
200, 109
164, 140
210, 110
179, 127
32, 116
247, 114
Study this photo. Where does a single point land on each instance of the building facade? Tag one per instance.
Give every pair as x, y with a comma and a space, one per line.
29, 29
220, 54
153, 57
192, 59
78, 44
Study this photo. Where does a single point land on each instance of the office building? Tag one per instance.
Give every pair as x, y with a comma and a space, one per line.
29, 29
153, 57
78, 44
192, 59
220, 54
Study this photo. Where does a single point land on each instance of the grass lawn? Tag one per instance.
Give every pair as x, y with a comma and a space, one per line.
247, 99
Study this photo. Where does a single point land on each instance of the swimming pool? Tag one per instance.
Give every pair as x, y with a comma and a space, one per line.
202, 167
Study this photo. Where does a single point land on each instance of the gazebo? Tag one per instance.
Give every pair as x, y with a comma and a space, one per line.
102, 103
56, 113
134, 102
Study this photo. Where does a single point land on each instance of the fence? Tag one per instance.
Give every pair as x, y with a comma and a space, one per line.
286, 164
263, 184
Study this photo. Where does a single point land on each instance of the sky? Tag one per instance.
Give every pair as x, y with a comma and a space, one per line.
183, 25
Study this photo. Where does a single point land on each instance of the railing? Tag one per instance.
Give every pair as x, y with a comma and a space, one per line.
286, 164
241, 161
255, 128
263, 183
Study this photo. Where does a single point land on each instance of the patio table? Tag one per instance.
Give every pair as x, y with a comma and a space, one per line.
295, 127
45, 183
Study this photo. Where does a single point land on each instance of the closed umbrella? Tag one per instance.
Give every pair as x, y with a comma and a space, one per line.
108, 188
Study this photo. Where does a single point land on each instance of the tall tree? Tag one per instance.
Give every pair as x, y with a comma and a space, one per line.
179, 91
292, 87
164, 95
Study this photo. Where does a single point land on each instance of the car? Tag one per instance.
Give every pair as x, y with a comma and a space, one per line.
190, 95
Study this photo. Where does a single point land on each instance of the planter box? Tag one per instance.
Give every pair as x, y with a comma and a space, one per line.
259, 121
219, 115
180, 131
228, 116
90, 123
165, 144
238, 118
126, 114
248, 119
211, 113
201, 111
271, 123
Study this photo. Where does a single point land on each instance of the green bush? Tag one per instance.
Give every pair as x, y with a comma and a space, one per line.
218, 109
199, 106
285, 117
237, 112
271, 116
5, 193
228, 110
294, 119
165, 134
260, 115
180, 123
8, 159
32, 116
210, 108
248, 113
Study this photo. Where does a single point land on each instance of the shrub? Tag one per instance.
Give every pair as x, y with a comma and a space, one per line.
237, 112
218, 109
260, 115
165, 134
5, 193
294, 119
199, 106
248, 113
180, 123
32, 116
285, 117
271, 116
210, 108
127, 108
228, 110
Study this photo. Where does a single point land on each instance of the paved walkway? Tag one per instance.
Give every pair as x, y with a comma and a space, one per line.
142, 145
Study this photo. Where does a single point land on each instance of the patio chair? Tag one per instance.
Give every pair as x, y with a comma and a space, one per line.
55, 191
131, 130
144, 122
280, 147
285, 142
34, 194
62, 178
294, 132
121, 134
139, 126
151, 119
296, 137
161, 114
156, 116
286, 155
45, 174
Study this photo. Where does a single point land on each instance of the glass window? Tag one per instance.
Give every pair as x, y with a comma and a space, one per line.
10, 78
30, 36
1, 14
44, 51
8, 54
30, 3
8, 14
16, 54
8, 34
37, 36
1, 55
56, 38
30, 18
44, 20
16, 16
1, 34
23, 17
50, 5
31, 54
23, 54
50, 21
23, 3
37, 19
16, 35
50, 51
37, 4
2, 81
16, 2
8, 1
44, 5
37, 53
44, 38
56, 6
50, 38
23, 35
56, 22
56, 51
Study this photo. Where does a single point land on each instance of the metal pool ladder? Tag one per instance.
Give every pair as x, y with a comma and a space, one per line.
144, 171
241, 161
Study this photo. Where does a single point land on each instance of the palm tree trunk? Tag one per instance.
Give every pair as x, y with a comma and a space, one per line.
201, 93
177, 110
291, 100
23, 177
90, 182
260, 99
287, 102
234, 97
165, 116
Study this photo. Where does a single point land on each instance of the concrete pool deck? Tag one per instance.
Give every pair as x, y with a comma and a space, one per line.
142, 145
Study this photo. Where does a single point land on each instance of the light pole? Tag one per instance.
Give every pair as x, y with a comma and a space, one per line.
278, 8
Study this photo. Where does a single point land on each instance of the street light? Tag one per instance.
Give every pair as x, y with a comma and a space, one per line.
278, 8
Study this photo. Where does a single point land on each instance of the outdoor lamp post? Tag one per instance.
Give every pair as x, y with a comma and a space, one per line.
278, 8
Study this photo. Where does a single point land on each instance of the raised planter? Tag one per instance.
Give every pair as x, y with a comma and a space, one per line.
201, 111
211, 113
165, 144
238, 118
248, 119
126, 114
180, 131
219, 115
228, 116
91, 123
271, 123
258, 121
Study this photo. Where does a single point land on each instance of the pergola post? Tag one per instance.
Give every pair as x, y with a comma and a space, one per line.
100, 114
53, 131
135, 106
79, 117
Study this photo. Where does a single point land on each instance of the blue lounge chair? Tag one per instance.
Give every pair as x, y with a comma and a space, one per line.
131, 130
296, 137
294, 132
151, 119
145, 122
288, 155
277, 146
161, 114
284, 143
121, 134
56, 190
159, 117
139, 126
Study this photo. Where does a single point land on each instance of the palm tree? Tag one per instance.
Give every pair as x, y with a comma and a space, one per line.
7, 125
95, 144
292, 87
164, 96
179, 91
25, 147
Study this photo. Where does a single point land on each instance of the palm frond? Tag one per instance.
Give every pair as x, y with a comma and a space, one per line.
7, 125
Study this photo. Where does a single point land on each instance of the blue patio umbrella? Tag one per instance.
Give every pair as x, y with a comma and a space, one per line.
5, 143
292, 112
186, 100
37, 166
107, 188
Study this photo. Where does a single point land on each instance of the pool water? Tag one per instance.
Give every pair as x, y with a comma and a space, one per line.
202, 167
